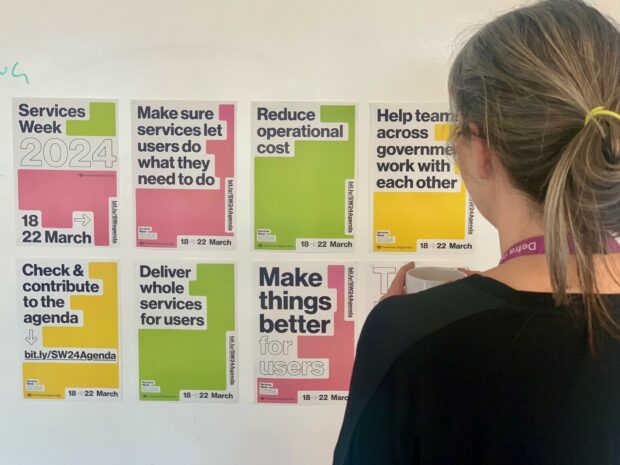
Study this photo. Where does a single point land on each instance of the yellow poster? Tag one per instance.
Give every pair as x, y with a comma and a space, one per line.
70, 328
419, 201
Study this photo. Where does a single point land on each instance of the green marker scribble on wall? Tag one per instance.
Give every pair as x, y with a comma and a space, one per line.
102, 121
178, 359
304, 196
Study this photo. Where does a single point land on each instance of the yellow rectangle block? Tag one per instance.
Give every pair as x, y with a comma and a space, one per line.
412, 216
442, 131
57, 377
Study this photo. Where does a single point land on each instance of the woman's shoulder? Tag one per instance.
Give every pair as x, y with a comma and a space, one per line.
415, 315
398, 322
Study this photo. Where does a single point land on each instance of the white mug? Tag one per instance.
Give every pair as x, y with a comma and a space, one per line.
425, 277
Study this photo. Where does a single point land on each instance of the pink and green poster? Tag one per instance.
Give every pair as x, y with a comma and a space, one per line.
66, 158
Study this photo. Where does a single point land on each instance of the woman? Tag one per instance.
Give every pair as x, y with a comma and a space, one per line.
519, 364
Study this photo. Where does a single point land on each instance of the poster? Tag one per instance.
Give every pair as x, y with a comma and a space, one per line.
306, 330
66, 162
183, 173
70, 328
379, 276
186, 337
419, 202
304, 176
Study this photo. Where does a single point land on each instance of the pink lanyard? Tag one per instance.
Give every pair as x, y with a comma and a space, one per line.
536, 246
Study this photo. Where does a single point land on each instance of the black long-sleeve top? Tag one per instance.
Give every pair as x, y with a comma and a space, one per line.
475, 372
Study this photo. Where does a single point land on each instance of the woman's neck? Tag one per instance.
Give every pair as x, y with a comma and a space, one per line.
517, 218
517, 223
531, 273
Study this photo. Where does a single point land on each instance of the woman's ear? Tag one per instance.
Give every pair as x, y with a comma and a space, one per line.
481, 153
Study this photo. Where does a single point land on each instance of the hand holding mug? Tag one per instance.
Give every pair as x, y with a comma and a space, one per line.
410, 279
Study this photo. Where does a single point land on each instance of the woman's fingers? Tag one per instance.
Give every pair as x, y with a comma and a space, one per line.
398, 283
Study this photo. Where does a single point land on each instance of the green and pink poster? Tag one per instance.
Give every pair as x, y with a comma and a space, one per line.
187, 333
304, 176
66, 158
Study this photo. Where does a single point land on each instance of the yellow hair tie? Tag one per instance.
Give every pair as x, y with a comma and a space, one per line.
600, 111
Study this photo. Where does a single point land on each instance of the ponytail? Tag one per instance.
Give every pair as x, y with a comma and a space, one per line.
578, 207
528, 79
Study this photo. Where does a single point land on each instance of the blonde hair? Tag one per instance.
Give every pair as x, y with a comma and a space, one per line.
528, 79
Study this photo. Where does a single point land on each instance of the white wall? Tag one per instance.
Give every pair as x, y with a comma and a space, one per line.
349, 50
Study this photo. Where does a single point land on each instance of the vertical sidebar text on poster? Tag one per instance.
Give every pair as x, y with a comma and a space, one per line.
183, 156
70, 337
304, 176
419, 201
66, 162
306, 330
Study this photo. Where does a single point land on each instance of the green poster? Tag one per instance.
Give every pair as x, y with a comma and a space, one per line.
187, 341
304, 176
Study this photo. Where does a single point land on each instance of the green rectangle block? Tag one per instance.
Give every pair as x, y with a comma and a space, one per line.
304, 196
102, 121
178, 359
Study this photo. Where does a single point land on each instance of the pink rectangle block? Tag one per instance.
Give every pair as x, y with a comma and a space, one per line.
59, 193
